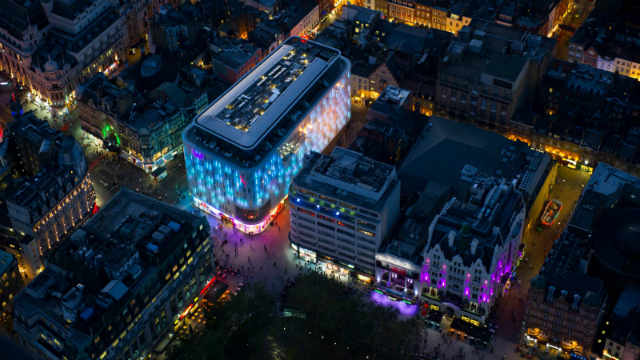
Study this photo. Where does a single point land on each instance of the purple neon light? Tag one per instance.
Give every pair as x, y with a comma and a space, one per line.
404, 308
197, 154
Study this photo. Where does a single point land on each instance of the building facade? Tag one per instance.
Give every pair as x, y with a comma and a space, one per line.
46, 207
402, 11
472, 249
482, 84
564, 306
11, 283
342, 206
305, 20
51, 47
243, 151
145, 117
103, 299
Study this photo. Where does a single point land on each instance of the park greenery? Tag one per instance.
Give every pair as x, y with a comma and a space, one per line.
320, 320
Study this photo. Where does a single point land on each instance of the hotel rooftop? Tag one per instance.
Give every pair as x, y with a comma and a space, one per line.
247, 112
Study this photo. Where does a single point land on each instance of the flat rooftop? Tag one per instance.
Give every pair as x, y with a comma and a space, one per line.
352, 168
394, 95
5, 260
246, 112
606, 182
349, 176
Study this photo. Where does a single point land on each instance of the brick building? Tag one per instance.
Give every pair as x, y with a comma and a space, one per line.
564, 305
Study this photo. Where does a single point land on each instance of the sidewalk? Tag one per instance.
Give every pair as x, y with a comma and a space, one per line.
443, 347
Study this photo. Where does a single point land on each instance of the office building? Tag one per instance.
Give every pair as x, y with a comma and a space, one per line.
564, 305
342, 206
472, 250
120, 285
490, 72
11, 283
243, 151
46, 207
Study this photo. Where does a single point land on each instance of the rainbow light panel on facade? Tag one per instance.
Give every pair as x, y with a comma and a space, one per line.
243, 151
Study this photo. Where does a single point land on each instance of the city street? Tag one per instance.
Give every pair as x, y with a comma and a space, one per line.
564, 36
510, 312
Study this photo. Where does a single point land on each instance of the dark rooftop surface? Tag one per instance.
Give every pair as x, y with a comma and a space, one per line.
505, 66
446, 146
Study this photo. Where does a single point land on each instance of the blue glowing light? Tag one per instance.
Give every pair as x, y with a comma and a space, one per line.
222, 184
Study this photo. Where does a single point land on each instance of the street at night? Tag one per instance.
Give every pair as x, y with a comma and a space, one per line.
286, 180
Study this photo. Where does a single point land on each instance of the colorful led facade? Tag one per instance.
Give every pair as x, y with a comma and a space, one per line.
243, 151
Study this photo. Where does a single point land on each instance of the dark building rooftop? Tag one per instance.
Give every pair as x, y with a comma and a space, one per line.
445, 147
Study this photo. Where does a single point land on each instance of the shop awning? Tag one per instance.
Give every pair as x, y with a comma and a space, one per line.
215, 291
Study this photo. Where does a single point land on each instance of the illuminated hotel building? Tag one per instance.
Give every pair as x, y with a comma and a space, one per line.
342, 206
243, 151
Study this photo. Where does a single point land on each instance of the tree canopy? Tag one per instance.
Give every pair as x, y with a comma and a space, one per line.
326, 321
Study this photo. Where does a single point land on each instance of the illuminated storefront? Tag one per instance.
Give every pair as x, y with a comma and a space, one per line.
567, 158
308, 255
